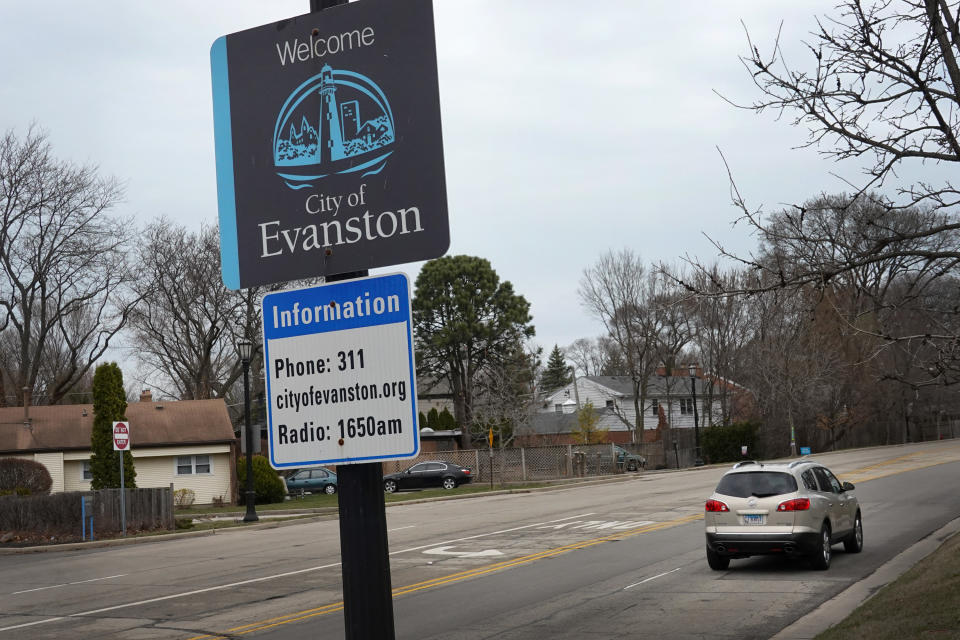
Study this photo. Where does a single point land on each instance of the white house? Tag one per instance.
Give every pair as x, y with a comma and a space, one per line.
189, 443
673, 396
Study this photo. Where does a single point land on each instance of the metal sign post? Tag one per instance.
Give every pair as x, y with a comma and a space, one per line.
121, 443
342, 390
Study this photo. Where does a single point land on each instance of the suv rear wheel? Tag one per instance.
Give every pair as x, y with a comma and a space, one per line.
716, 561
821, 557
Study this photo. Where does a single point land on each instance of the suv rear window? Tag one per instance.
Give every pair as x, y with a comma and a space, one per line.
757, 483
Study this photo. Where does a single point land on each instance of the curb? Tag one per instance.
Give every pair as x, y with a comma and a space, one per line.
837, 609
99, 544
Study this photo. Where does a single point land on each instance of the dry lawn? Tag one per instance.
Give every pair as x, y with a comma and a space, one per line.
922, 603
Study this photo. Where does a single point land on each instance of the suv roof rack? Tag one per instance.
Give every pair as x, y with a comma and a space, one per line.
745, 463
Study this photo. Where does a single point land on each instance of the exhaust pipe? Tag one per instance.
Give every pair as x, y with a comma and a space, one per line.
789, 549
720, 548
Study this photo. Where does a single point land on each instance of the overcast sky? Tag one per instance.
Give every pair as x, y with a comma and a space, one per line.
569, 128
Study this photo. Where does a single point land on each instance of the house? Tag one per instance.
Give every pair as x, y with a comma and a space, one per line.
669, 396
189, 443
552, 428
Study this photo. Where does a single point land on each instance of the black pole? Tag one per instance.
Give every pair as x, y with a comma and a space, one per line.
696, 422
364, 548
251, 515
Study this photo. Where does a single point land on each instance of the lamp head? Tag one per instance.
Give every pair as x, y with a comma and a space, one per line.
245, 349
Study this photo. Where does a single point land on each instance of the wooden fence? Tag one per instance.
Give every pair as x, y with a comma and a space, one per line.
145, 509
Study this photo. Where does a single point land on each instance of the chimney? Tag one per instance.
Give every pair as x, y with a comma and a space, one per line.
26, 404
146, 396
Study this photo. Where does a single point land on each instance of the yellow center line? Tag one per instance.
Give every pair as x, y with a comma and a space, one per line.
456, 577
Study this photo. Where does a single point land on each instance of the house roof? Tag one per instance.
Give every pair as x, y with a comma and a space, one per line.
549, 423
152, 424
622, 386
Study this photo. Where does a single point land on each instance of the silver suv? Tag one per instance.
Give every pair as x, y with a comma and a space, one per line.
798, 508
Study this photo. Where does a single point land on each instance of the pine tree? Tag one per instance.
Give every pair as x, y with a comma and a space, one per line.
109, 406
556, 374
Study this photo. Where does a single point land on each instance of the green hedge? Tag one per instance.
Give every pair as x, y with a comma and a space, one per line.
266, 482
722, 443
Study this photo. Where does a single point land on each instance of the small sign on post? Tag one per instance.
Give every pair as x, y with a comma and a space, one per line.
121, 443
121, 437
340, 373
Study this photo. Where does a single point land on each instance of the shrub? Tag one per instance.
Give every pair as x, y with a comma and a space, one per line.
184, 497
24, 476
722, 443
183, 523
266, 483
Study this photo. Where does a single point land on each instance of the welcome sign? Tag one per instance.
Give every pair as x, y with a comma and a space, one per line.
328, 143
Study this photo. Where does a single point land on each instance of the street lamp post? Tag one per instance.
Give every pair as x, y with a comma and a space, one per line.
696, 421
245, 349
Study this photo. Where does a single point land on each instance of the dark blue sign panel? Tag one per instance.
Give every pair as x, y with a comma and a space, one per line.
340, 373
328, 143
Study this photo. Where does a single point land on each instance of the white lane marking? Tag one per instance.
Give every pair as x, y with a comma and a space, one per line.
119, 575
492, 533
260, 579
445, 551
174, 595
29, 624
54, 586
659, 575
399, 528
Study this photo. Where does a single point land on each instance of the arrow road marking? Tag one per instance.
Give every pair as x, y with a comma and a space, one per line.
444, 551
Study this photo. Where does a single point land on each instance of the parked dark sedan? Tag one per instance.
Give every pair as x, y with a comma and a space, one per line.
436, 473
313, 481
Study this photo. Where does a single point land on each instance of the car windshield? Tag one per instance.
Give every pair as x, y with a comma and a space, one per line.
757, 483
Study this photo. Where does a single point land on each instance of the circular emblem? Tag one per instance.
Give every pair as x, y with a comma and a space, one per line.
752, 502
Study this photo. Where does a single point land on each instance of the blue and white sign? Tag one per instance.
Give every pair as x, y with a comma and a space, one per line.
340, 373
804, 451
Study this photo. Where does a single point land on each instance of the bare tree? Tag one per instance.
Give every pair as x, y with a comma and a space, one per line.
186, 329
882, 86
615, 291
64, 274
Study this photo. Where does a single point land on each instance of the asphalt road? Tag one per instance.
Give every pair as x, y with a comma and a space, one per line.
615, 560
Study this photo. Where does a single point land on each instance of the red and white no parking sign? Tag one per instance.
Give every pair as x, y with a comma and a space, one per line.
121, 436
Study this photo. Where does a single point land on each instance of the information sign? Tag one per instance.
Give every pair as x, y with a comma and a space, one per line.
340, 373
121, 436
329, 150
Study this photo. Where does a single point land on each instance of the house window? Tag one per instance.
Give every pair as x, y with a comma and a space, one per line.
87, 473
558, 408
655, 407
609, 404
686, 406
193, 465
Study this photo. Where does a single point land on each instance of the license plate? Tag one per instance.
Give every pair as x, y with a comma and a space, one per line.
753, 518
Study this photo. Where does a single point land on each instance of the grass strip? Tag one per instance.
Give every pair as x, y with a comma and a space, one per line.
922, 603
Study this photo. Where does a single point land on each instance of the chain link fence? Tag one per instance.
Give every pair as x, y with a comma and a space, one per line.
555, 462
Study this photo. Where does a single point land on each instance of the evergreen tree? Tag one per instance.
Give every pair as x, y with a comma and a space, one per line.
109, 406
446, 421
433, 419
556, 373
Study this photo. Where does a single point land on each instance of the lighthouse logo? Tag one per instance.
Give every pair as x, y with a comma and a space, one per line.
336, 122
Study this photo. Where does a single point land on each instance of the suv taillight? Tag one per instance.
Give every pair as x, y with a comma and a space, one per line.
716, 505
797, 504
466, 472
